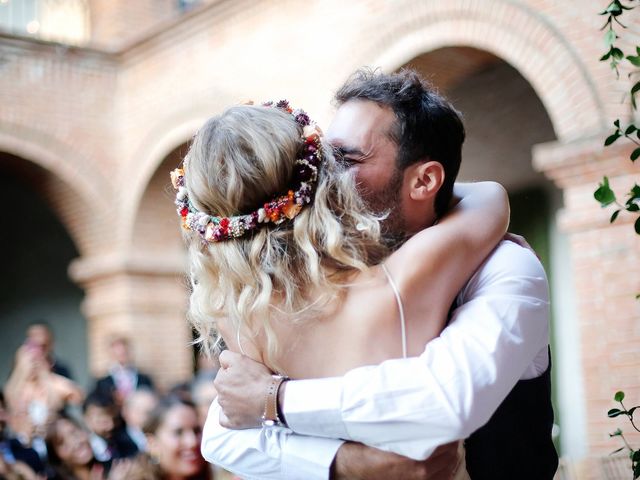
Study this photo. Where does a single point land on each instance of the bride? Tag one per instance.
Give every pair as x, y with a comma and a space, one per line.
305, 283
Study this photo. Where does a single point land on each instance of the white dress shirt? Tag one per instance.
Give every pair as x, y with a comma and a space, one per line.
497, 335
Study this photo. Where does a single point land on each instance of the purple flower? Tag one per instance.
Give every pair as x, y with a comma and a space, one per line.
303, 173
303, 119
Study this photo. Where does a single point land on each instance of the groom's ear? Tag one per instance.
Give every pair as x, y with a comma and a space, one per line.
426, 178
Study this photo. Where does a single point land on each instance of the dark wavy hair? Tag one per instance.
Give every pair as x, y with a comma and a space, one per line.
57, 468
427, 127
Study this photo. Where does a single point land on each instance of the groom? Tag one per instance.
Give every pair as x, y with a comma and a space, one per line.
486, 379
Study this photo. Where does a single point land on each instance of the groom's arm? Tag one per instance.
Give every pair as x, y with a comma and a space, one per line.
410, 406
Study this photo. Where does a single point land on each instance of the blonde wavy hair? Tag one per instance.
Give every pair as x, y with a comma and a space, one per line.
238, 161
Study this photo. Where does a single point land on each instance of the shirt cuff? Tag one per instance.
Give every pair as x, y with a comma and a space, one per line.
309, 458
313, 407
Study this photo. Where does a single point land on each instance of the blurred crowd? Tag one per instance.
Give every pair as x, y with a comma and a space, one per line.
122, 428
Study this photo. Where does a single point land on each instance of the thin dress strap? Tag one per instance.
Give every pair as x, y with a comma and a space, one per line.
239, 342
396, 292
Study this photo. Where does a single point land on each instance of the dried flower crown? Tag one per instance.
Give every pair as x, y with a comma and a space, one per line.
305, 174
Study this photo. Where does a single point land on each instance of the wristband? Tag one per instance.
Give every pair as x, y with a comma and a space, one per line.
270, 417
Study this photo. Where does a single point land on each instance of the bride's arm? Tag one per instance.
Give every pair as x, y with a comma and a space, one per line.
433, 265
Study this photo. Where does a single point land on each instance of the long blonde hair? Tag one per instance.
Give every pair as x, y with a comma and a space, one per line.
236, 162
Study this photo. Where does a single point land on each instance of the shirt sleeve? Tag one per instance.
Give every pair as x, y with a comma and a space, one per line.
267, 453
410, 406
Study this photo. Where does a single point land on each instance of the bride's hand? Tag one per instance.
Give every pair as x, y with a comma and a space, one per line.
242, 385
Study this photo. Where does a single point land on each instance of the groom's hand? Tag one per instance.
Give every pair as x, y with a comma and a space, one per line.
355, 461
242, 385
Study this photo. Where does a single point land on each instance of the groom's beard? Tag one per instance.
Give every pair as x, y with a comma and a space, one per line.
387, 201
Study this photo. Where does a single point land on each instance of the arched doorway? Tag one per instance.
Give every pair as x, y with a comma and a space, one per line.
156, 228
158, 283
37, 250
504, 120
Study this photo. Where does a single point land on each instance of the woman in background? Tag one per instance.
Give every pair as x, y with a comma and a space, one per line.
173, 434
69, 451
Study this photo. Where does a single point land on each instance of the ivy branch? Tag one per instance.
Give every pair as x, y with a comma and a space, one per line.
631, 132
634, 455
605, 195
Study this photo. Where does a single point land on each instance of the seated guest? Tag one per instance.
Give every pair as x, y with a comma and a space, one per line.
173, 436
124, 377
70, 453
108, 438
136, 411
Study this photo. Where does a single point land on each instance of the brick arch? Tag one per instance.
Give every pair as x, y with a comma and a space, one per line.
163, 140
176, 127
75, 191
513, 32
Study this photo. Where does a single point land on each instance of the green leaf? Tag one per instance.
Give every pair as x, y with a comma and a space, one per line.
635, 456
610, 37
614, 66
614, 216
617, 53
605, 56
633, 207
614, 9
635, 154
617, 433
619, 396
635, 61
616, 122
604, 194
637, 225
617, 451
635, 192
611, 138
634, 90
630, 129
614, 412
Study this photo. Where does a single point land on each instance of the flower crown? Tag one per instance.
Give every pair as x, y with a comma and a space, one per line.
305, 174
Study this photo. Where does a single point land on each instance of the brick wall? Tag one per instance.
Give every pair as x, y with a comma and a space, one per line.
117, 22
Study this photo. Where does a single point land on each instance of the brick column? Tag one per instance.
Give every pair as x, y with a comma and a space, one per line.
606, 274
144, 298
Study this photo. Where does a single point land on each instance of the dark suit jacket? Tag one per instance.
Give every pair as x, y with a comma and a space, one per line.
107, 386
